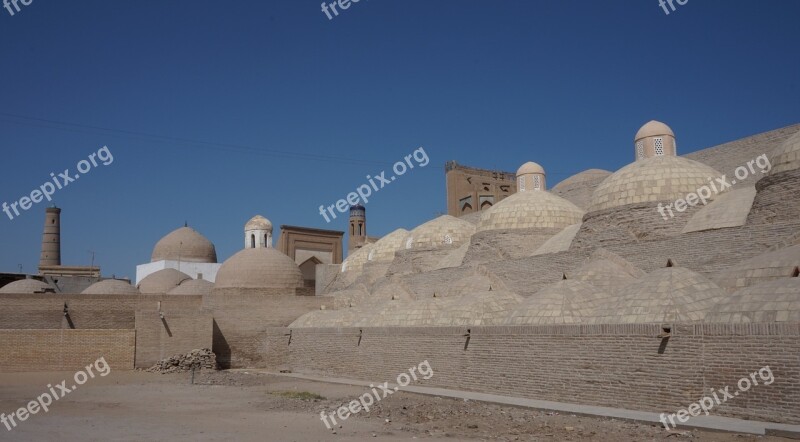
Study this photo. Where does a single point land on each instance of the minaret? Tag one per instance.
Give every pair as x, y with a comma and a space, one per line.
258, 233
358, 227
51, 238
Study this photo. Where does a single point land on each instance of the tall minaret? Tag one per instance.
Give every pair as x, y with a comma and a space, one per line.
358, 227
51, 238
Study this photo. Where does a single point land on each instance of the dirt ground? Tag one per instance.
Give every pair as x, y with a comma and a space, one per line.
246, 406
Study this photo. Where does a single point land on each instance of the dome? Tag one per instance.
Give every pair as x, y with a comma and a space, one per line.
161, 281
787, 156
761, 268
356, 259
184, 244
384, 248
262, 268
773, 301
659, 178
667, 295
480, 308
193, 287
258, 222
524, 210
565, 302
653, 129
400, 313
606, 271
530, 167
578, 188
26, 286
444, 231
111, 287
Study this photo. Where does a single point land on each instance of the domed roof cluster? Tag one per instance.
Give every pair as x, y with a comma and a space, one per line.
529, 210
656, 179
787, 156
565, 302
479, 308
184, 244
26, 286
773, 301
162, 281
261, 268
444, 231
258, 222
111, 287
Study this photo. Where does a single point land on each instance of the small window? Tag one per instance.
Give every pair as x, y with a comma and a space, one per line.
360, 229
266, 241
252, 241
448, 239
537, 182
521, 185
352, 229
659, 146
409, 241
371, 255
639, 150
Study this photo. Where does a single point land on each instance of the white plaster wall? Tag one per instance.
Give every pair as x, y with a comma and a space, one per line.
193, 269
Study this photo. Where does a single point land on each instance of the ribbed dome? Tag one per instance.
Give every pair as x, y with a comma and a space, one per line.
263, 268
162, 281
565, 302
660, 178
787, 156
653, 128
480, 308
184, 244
258, 222
524, 210
444, 231
667, 295
774, 301
111, 287
26, 286
530, 167
193, 287
384, 248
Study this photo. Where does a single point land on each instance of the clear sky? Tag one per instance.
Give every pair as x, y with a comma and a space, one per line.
221, 110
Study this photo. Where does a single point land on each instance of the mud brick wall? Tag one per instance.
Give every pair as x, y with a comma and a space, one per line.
65, 350
179, 332
623, 366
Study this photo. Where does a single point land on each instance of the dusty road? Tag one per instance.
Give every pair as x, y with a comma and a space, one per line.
238, 406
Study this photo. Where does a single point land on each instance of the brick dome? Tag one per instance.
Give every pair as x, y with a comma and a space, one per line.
787, 156
184, 244
384, 248
193, 287
261, 268
524, 210
656, 179
111, 287
444, 231
162, 281
773, 301
26, 286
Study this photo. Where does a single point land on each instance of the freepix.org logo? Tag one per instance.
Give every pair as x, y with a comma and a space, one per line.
12, 6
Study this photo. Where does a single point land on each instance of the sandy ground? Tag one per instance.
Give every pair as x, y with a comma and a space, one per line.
244, 406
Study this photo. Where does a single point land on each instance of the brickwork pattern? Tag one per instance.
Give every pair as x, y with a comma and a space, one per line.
65, 350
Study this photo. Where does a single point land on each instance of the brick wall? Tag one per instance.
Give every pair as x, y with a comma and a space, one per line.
624, 366
65, 350
179, 332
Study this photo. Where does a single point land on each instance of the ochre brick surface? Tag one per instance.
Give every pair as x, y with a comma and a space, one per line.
65, 350
624, 366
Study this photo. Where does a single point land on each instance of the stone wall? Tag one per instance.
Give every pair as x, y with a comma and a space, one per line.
178, 332
777, 199
65, 350
624, 366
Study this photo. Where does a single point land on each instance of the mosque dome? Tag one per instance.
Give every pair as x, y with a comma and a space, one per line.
653, 128
161, 281
671, 294
258, 222
773, 301
26, 286
384, 248
530, 167
259, 268
111, 287
655, 179
530, 209
184, 244
193, 287
787, 156
444, 231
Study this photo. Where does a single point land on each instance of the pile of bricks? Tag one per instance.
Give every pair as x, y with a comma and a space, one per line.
203, 359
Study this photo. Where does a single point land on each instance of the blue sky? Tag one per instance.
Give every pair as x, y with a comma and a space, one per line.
224, 110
